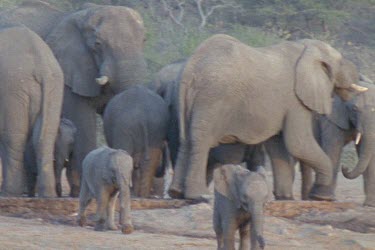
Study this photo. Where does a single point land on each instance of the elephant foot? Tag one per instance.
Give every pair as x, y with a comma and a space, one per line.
369, 203
81, 221
58, 190
100, 226
175, 194
261, 242
74, 191
112, 227
322, 193
283, 198
127, 228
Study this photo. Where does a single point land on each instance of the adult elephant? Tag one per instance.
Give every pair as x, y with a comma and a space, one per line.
100, 50
30, 106
166, 84
362, 116
232, 92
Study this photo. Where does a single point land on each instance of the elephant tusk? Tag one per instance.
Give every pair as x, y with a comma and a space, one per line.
358, 138
102, 80
358, 88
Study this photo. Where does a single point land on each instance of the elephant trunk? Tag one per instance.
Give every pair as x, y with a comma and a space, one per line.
257, 222
367, 148
123, 71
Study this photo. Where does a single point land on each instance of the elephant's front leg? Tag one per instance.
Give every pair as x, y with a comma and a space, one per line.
82, 113
369, 184
245, 236
282, 168
300, 142
195, 182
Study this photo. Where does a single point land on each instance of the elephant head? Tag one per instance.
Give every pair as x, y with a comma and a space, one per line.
247, 190
321, 69
361, 112
100, 45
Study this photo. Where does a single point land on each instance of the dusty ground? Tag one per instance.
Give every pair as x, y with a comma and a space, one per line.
342, 227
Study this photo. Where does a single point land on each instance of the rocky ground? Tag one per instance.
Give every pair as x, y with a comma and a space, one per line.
289, 225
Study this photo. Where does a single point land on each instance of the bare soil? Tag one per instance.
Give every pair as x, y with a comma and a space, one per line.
170, 224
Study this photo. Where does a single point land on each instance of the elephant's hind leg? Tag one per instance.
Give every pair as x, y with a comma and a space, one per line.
14, 175
111, 211
84, 201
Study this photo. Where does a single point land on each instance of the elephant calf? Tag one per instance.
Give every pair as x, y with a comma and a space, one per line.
106, 173
240, 196
62, 155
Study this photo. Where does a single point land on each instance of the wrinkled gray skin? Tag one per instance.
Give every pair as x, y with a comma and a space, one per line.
240, 196
333, 132
136, 120
30, 105
62, 155
166, 83
100, 50
304, 74
106, 174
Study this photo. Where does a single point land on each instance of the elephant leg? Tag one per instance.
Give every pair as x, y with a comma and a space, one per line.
307, 181
218, 229
13, 172
84, 201
195, 182
82, 113
58, 187
300, 142
102, 203
245, 236
148, 171
332, 141
369, 184
111, 211
229, 230
282, 167
176, 190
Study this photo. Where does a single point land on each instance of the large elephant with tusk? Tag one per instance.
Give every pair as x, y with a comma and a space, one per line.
227, 87
100, 50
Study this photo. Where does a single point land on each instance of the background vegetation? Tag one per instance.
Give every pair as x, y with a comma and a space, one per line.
176, 27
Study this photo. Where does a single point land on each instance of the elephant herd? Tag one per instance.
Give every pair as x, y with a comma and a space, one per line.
300, 101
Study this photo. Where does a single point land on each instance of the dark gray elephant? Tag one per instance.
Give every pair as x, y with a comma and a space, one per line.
225, 90
63, 150
362, 116
100, 50
106, 174
240, 196
136, 120
347, 121
30, 106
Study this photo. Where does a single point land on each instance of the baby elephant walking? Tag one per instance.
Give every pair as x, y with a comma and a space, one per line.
106, 173
240, 196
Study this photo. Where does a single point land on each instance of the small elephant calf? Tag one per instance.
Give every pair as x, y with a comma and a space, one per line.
106, 173
240, 196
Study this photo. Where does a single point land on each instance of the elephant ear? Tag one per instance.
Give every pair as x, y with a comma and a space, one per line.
339, 115
226, 181
313, 85
75, 58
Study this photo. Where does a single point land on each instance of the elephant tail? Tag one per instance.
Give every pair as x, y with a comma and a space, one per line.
185, 104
